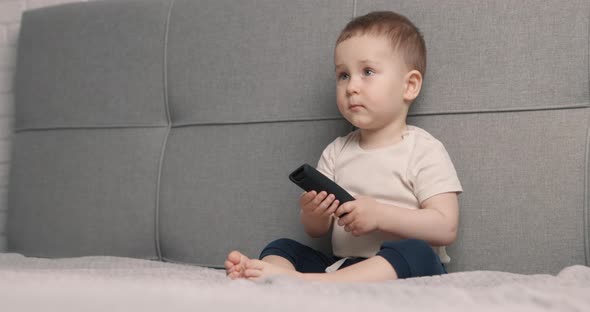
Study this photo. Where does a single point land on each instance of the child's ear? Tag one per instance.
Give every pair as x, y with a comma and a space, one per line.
412, 85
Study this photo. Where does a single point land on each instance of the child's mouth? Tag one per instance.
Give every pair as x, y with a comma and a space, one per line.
355, 107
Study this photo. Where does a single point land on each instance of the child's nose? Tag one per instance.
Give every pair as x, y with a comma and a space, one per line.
353, 85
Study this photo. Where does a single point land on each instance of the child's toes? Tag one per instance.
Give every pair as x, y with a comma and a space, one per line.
233, 275
234, 257
228, 265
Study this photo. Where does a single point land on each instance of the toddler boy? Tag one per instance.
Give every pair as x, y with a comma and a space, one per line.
404, 183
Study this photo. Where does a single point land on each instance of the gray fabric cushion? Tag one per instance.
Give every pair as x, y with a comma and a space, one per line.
96, 70
240, 61
91, 64
84, 192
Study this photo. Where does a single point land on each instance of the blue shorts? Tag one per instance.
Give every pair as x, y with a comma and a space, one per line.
409, 258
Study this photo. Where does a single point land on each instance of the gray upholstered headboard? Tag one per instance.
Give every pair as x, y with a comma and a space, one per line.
166, 129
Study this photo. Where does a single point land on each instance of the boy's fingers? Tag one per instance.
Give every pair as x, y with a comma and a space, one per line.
341, 210
310, 194
344, 211
342, 222
307, 198
332, 207
319, 198
326, 202
345, 219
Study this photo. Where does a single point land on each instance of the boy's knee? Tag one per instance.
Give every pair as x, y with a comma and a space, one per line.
411, 258
283, 247
416, 245
283, 243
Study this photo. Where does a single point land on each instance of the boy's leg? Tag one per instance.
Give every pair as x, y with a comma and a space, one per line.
292, 255
402, 259
235, 264
373, 269
279, 261
412, 258
284, 254
398, 259
274, 253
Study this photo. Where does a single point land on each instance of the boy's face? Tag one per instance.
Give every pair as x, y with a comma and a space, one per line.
370, 82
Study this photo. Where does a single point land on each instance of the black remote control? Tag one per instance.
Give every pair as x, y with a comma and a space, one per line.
309, 179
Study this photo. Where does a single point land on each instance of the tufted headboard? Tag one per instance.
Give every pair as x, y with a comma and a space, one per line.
166, 129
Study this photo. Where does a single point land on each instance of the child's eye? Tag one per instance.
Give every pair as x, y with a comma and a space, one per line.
342, 76
369, 72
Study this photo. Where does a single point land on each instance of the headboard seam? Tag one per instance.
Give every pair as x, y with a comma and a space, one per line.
586, 221
165, 141
586, 165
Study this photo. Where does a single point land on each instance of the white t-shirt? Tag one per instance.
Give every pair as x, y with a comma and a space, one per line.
403, 175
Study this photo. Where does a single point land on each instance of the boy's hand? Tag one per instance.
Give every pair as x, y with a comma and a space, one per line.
318, 205
362, 217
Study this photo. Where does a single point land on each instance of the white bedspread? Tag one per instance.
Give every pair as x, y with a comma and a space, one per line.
123, 284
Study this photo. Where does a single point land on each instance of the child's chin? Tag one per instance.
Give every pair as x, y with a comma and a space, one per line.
360, 124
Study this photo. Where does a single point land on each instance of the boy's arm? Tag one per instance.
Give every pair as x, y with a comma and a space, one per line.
436, 223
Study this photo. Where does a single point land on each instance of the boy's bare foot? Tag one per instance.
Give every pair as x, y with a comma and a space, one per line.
257, 269
235, 265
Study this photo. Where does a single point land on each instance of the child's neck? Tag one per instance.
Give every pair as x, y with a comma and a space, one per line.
376, 138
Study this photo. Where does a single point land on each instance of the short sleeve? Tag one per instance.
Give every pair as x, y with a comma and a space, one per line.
432, 171
327, 160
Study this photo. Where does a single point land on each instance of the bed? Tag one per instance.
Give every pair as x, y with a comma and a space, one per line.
145, 132
127, 284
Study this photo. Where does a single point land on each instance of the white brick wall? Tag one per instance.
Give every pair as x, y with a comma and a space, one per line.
10, 15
